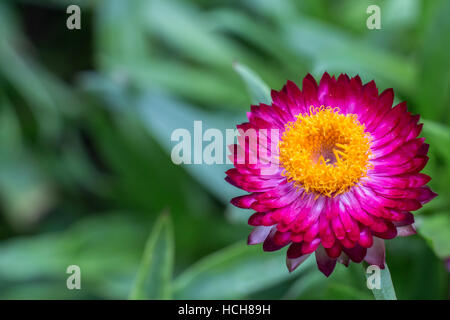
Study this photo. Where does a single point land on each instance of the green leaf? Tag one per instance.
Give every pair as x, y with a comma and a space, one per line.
181, 115
415, 253
435, 65
340, 291
258, 90
106, 248
386, 292
25, 191
439, 136
205, 87
266, 38
190, 35
235, 272
47, 96
335, 51
436, 229
155, 273
343, 283
177, 114
304, 285
118, 33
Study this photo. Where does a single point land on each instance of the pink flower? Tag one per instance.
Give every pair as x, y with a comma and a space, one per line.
347, 172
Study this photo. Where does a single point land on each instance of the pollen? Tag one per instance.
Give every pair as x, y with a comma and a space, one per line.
325, 152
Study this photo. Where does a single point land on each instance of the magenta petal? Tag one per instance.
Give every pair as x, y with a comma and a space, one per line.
402, 181
324, 88
426, 195
376, 254
365, 238
357, 253
296, 96
244, 202
258, 235
282, 238
292, 264
338, 228
295, 250
325, 231
270, 244
390, 233
335, 250
256, 219
324, 262
312, 232
406, 231
309, 247
310, 91
414, 166
408, 219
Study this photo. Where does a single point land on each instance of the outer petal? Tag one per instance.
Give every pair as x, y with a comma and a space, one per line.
258, 235
376, 254
270, 244
293, 264
296, 96
406, 231
324, 262
357, 253
344, 259
310, 91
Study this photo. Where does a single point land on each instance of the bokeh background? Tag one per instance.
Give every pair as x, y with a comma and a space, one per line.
85, 123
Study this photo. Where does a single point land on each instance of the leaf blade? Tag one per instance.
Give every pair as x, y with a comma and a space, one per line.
161, 229
386, 291
258, 90
235, 272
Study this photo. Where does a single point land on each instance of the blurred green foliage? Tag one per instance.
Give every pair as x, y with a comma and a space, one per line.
85, 123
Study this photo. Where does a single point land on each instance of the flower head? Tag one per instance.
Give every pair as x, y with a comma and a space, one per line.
346, 174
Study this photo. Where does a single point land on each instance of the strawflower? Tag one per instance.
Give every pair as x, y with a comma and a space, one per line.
347, 174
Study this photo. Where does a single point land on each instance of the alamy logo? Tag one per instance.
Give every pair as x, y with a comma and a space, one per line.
214, 146
374, 20
74, 280
373, 277
74, 20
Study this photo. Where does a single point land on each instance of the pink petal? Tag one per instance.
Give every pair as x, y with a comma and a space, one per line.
293, 264
258, 235
376, 254
406, 231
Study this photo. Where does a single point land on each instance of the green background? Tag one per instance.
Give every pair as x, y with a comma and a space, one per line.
85, 123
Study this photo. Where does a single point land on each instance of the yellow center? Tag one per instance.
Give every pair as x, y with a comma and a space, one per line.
324, 151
